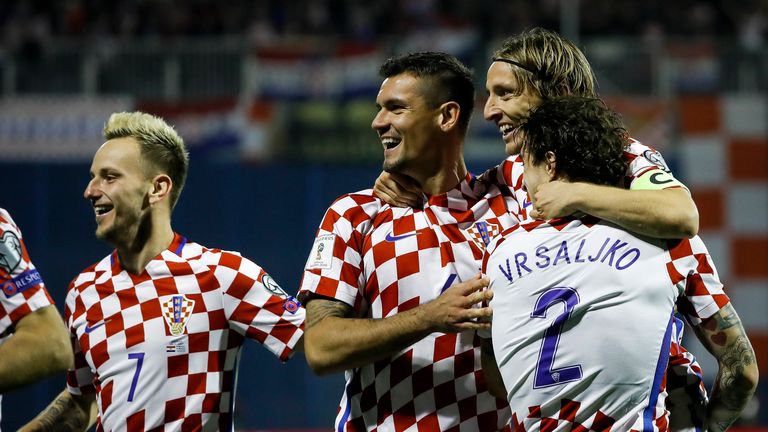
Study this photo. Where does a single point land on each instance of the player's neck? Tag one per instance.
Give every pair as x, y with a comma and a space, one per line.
446, 178
148, 243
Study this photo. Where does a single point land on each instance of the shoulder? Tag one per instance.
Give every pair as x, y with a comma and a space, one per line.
638, 152
354, 208
7, 224
508, 172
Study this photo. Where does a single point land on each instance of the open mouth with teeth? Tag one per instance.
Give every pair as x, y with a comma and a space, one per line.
101, 210
390, 143
506, 130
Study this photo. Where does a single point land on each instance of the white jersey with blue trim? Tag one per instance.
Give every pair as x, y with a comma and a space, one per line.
582, 321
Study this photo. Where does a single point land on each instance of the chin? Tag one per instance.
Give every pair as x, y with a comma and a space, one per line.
512, 149
395, 166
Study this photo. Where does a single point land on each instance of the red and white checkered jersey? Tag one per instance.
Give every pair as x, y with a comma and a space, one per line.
160, 349
583, 316
383, 260
641, 159
23, 288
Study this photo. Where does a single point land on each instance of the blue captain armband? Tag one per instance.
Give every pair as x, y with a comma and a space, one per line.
656, 180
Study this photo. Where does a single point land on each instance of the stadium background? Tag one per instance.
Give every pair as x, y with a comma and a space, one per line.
275, 101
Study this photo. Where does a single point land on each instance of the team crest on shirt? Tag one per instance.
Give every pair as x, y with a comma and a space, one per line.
176, 312
482, 233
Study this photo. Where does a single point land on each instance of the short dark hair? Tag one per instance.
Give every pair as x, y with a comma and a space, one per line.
587, 138
448, 79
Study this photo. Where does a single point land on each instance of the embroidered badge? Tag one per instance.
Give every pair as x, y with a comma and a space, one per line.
177, 311
482, 233
291, 305
321, 256
10, 252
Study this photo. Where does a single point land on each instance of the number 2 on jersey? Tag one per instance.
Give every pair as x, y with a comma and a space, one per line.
546, 374
139, 357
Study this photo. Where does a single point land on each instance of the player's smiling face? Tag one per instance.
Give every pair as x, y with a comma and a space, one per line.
407, 126
118, 191
508, 103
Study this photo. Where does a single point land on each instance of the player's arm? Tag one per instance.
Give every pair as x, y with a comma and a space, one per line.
39, 347
491, 370
724, 337
67, 413
335, 341
661, 213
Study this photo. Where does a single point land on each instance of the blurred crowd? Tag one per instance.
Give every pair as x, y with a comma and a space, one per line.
264, 20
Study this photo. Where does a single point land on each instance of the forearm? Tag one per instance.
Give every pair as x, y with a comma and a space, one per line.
39, 347
667, 213
724, 337
734, 386
491, 371
67, 413
335, 343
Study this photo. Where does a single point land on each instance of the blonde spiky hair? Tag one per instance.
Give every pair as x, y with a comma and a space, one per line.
162, 149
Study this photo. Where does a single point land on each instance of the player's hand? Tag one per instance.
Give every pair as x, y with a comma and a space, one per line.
398, 190
461, 308
554, 200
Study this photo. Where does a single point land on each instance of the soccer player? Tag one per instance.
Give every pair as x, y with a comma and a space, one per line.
33, 340
583, 310
526, 70
391, 292
157, 325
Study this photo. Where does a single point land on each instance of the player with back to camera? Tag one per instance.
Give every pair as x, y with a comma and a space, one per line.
583, 309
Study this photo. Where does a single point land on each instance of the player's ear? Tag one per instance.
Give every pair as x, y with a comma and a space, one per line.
161, 188
449, 115
551, 164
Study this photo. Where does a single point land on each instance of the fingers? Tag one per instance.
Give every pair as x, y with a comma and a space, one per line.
476, 319
404, 190
383, 191
470, 286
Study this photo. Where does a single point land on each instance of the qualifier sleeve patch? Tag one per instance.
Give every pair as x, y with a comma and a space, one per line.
321, 256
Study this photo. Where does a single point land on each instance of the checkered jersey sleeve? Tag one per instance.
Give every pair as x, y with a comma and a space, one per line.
22, 286
691, 269
256, 306
335, 262
80, 379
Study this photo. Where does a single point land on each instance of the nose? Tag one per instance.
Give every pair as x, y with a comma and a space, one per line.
379, 123
490, 111
91, 192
